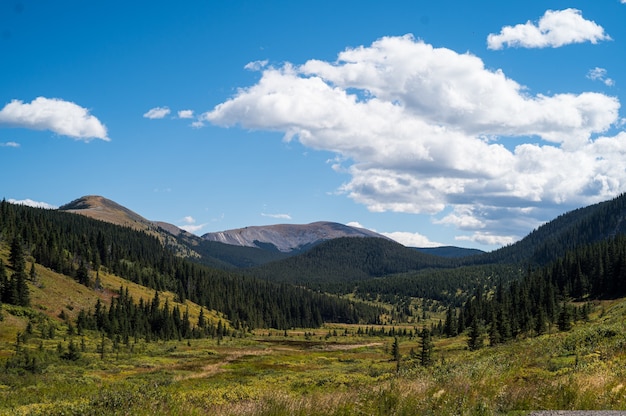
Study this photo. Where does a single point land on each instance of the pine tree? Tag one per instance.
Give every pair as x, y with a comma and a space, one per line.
16, 257
395, 352
475, 340
4, 283
82, 274
565, 319
426, 346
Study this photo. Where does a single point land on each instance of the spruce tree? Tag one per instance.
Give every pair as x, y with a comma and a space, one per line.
564, 322
395, 352
475, 340
426, 346
16, 256
4, 283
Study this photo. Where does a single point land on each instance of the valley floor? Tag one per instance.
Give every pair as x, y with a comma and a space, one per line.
317, 373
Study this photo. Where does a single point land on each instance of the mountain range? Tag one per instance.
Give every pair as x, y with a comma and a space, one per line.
241, 247
325, 257
259, 245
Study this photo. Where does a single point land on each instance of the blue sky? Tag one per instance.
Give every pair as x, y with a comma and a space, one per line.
436, 123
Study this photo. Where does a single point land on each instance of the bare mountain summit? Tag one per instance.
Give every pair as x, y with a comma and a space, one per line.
103, 209
288, 237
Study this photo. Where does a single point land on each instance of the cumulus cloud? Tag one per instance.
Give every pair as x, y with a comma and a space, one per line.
157, 112
185, 114
59, 116
556, 28
9, 144
189, 225
420, 129
411, 239
599, 74
256, 65
407, 239
31, 203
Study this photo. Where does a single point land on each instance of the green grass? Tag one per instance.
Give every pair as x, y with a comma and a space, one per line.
582, 369
306, 372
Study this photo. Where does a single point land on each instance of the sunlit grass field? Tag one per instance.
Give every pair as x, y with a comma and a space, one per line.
268, 373
334, 370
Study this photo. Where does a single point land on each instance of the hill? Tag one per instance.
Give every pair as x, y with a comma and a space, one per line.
450, 251
103, 209
336, 265
226, 250
575, 228
288, 238
78, 246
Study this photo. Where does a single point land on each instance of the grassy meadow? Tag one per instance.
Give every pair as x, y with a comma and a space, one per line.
313, 373
47, 369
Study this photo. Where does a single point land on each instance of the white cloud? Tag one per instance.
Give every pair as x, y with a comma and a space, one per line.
190, 225
157, 112
61, 117
356, 224
9, 144
31, 203
555, 28
277, 216
405, 238
599, 74
192, 228
185, 114
488, 239
256, 65
420, 129
411, 239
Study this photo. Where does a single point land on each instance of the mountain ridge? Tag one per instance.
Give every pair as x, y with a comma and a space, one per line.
288, 237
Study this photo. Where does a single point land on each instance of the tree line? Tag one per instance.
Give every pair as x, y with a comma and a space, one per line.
543, 298
79, 247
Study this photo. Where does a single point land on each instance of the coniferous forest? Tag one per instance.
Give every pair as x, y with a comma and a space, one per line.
525, 325
75, 245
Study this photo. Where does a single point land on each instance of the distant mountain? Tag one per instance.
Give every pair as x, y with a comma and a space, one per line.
242, 248
450, 251
288, 238
103, 209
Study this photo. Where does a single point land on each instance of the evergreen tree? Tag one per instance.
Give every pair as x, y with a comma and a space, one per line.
4, 283
565, 318
426, 347
16, 256
475, 340
22, 292
82, 274
395, 352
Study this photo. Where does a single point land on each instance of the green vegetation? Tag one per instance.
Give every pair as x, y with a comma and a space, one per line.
101, 319
309, 372
75, 245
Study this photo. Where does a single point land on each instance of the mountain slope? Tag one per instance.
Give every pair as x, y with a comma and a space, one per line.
339, 263
450, 251
288, 237
75, 245
552, 240
103, 209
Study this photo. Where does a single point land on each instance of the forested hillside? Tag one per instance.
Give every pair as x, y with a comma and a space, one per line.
337, 265
78, 246
576, 228
542, 299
